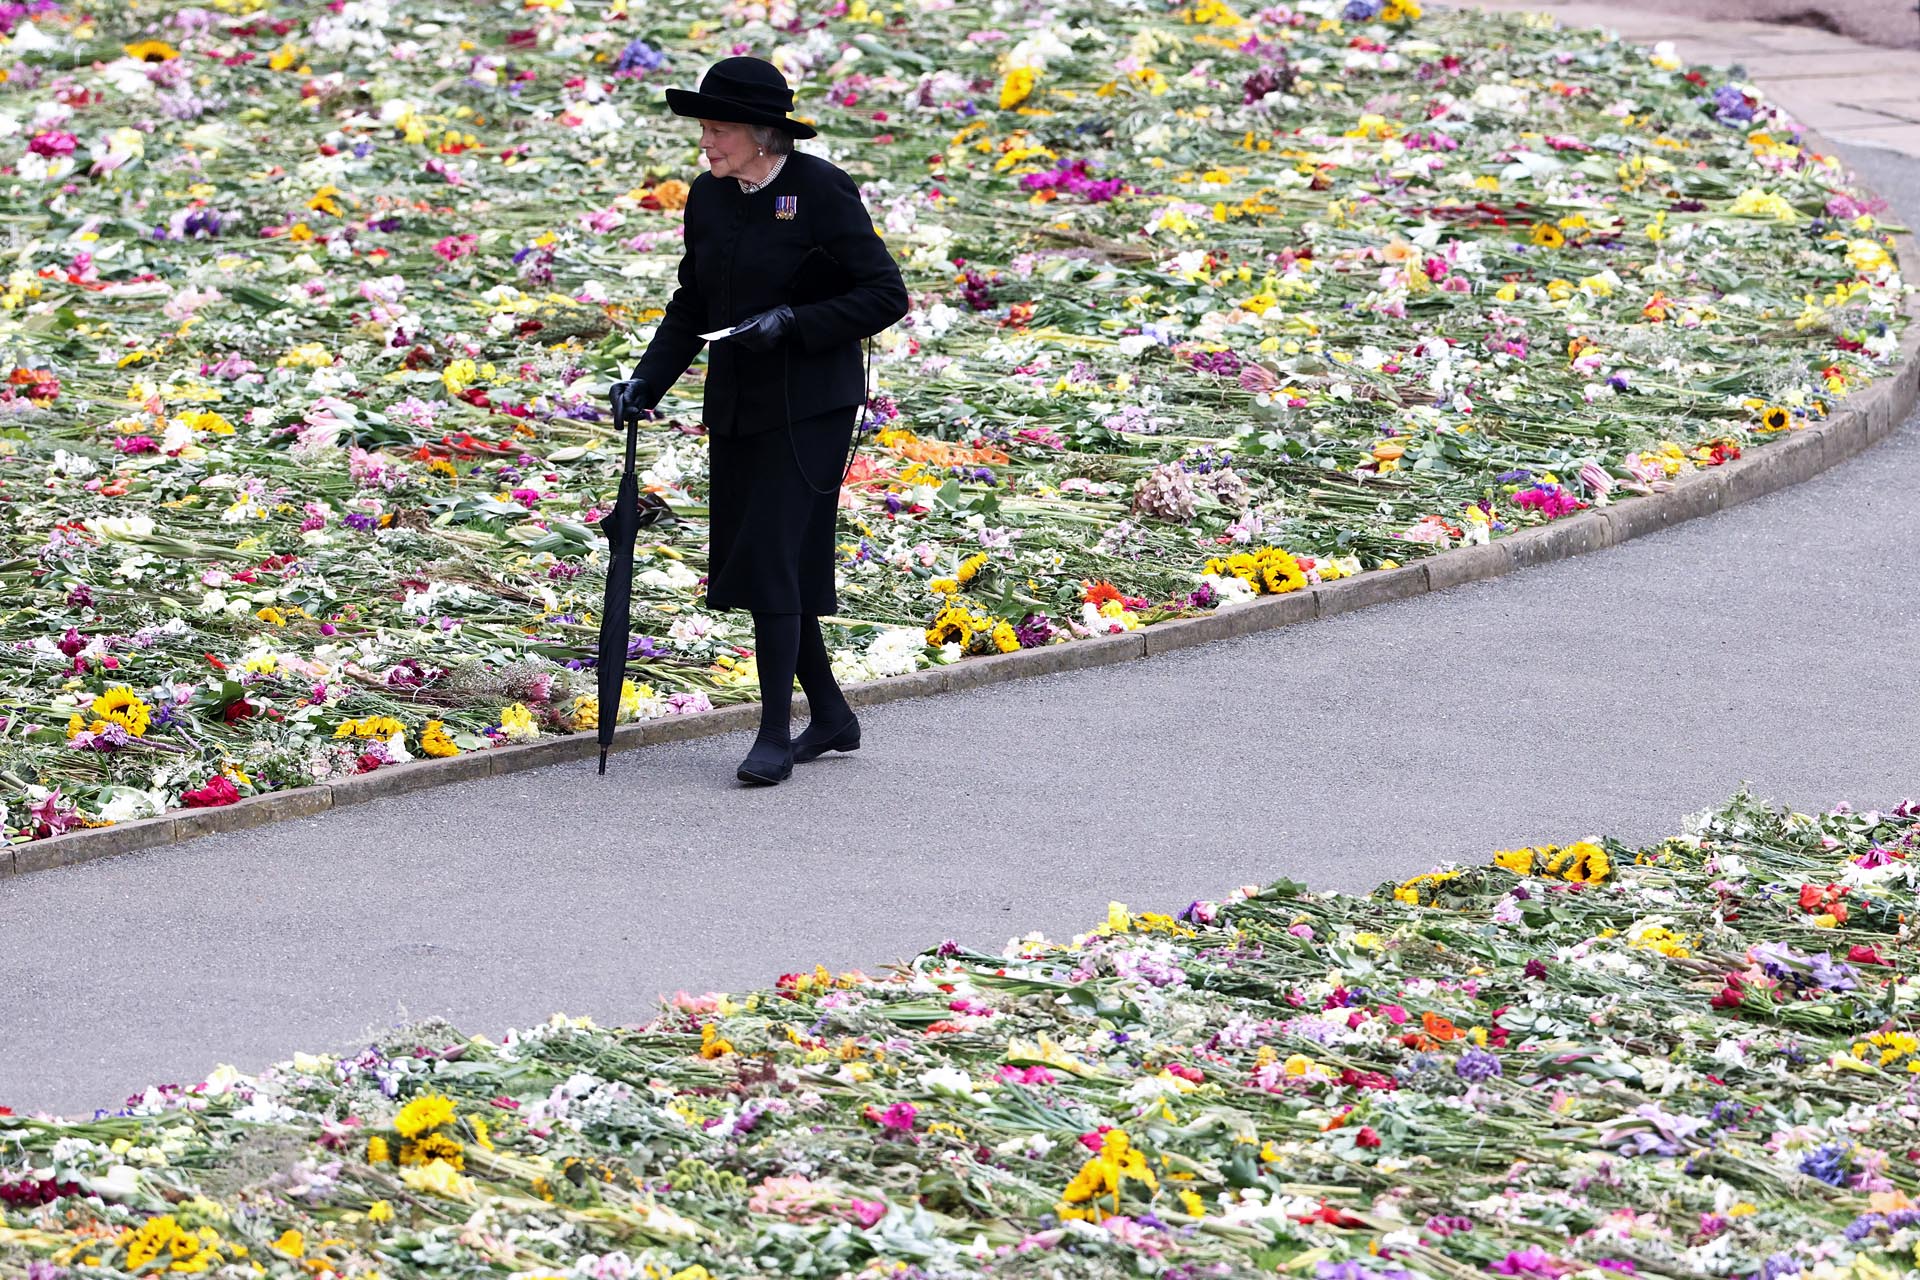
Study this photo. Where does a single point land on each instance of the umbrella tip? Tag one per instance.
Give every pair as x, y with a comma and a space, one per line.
603, 760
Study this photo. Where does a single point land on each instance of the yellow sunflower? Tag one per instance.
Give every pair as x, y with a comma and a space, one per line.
151, 51
1775, 418
429, 1111
124, 707
1279, 572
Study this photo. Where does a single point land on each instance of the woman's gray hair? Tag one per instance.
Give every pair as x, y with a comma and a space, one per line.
777, 141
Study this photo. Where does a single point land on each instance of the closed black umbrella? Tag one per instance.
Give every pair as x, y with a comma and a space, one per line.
622, 526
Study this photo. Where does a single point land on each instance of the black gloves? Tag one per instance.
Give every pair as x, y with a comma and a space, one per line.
764, 331
635, 395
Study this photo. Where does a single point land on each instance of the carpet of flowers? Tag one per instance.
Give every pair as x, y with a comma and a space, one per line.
310, 312
1695, 1058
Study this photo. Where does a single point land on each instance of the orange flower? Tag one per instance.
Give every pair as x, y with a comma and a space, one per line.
1100, 592
1438, 1027
671, 194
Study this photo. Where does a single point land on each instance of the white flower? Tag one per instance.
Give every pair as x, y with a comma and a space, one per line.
674, 575
121, 1182
690, 629
128, 804
850, 668
121, 528
28, 38
224, 1077
896, 651
950, 1082
597, 118
74, 466
1230, 589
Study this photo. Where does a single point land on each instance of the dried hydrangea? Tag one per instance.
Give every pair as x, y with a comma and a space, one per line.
1165, 493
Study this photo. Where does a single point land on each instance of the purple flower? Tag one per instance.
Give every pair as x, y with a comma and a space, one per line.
1224, 363
1730, 106
361, 521
111, 738
1075, 179
1035, 629
639, 57
1531, 1261
1834, 977
1477, 1065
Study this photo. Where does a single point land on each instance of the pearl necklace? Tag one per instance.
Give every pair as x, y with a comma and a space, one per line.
779, 162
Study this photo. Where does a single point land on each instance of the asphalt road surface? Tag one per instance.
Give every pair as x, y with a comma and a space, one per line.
1777, 643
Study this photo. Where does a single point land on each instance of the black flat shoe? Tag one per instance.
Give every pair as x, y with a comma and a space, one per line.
814, 742
766, 764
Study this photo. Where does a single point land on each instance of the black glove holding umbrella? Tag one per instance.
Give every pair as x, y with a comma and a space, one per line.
631, 513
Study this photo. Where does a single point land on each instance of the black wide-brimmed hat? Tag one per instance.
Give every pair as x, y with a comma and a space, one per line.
744, 91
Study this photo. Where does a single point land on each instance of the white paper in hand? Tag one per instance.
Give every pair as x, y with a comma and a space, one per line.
717, 334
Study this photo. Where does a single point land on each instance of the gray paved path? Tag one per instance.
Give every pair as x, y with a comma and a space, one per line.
1778, 642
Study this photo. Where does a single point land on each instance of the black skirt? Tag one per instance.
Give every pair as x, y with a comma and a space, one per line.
771, 540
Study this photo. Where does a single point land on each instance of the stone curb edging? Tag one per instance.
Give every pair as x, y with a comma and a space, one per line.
1861, 420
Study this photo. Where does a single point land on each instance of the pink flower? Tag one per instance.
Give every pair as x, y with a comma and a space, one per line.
865, 1212
50, 817
1010, 1074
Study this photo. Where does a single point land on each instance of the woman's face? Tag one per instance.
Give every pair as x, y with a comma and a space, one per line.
728, 147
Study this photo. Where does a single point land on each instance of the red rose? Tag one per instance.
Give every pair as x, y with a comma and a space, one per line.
218, 791
1367, 1137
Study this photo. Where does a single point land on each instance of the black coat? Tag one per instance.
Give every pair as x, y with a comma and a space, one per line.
740, 258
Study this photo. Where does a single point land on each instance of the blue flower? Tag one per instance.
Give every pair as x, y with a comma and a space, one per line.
1828, 1163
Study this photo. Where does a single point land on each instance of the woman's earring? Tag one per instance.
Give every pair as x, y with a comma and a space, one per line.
760, 151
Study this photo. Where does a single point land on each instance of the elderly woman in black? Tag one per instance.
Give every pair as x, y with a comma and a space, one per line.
780, 250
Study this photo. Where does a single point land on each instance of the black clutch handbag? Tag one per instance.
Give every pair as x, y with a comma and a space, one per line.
819, 276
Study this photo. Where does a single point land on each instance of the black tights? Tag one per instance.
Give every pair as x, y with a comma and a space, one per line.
786, 645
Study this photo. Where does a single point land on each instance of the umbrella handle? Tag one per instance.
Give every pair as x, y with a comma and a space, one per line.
631, 420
